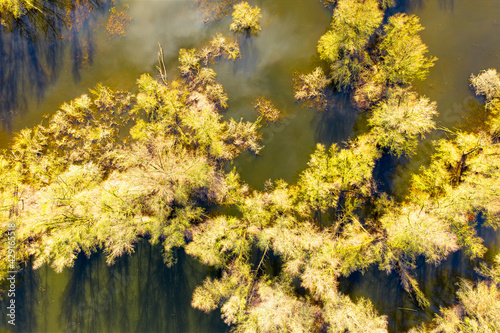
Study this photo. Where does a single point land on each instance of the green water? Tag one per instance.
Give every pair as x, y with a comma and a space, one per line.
136, 294
140, 294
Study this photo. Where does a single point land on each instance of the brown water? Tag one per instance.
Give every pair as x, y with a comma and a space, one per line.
139, 293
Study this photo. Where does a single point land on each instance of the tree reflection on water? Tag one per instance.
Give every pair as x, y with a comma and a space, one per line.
138, 293
32, 47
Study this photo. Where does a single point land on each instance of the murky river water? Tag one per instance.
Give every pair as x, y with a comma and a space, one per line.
139, 294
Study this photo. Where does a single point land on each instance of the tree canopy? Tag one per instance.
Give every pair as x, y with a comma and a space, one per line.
402, 50
345, 45
366, 57
400, 119
246, 19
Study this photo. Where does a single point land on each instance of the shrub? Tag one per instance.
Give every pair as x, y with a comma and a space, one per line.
246, 19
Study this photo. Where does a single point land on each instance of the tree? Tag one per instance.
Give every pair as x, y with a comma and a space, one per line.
493, 123
399, 121
189, 62
246, 19
202, 79
366, 61
267, 111
370, 88
290, 313
487, 83
336, 174
218, 46
345, 45
311, 88
402, 50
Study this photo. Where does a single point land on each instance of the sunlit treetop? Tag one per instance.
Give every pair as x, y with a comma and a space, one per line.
370, 58
402, 50
334, 171
344, 46
267, 111
494, 121
311, 88
246, 19
486, 83
15, 7
352, 25
400, 120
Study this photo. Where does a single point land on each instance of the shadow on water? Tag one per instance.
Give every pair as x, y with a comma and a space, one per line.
438, 283
27, 290
32, 49
79, 308
383, 172
446, 5
336, 122
139, 293
247, 64
409, 5
405, 5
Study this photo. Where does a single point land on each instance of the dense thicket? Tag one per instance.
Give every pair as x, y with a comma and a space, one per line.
321, 229
366, 57
79, 182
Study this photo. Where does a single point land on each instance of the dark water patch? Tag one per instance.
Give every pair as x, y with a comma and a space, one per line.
28, 287
438, 283
336, 122
32, 51
407, 5
137, 294
383, 173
